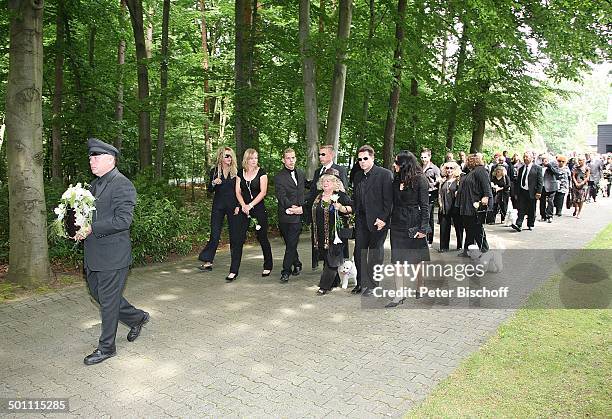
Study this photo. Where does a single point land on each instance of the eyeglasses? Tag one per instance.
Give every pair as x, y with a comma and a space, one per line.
424, 157
363, 158
321, 154
228, 156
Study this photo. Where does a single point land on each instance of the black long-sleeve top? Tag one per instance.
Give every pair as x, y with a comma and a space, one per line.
411, 206
473, 186
225, 192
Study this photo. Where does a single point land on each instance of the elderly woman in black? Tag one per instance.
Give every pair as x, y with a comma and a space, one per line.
473, 198
500, 184
448, 212
328, 209
409, 218
223, 184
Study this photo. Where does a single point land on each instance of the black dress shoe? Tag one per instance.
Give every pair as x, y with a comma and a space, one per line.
515, 227
356, 290
135, 331
264, 274
442, 250
463, 255
231, 278
549, 220
284, 277
205, 268
296, 270
321, 292
98, 356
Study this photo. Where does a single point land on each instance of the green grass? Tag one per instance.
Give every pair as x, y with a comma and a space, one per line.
541, 363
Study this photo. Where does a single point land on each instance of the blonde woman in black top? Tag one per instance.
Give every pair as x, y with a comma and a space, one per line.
223, 184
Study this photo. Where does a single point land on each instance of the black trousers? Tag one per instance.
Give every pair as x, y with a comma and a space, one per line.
446, 222
291, 235
527, 207
500, 206
217, 216
328, 276
593, 189
547, 204
369, 251
106, 287
433, 198
559, 202
475, 232
260, 214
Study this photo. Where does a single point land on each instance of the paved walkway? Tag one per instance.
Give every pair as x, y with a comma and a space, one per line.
251, 348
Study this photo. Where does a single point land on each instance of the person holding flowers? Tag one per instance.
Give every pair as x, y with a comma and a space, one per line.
108, 250
327, 211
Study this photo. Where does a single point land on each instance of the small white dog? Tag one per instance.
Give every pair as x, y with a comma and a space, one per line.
491, 260
511, 215
347, 271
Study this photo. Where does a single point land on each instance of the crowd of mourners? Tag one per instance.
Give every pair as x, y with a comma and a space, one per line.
368, 202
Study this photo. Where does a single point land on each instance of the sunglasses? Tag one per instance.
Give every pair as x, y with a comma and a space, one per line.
396, 163
322, 154
363, 158
228, 156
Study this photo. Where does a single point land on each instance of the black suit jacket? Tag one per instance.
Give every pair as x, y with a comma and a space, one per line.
108, 247
378, 193
535, 179
289, 194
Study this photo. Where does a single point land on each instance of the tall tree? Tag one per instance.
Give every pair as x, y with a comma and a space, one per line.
120, 70
395, 86
366, 96
310, 90
28, 254
144, 117
458, 79
207, 100
242, 61
336, 103
56, 122
163, 105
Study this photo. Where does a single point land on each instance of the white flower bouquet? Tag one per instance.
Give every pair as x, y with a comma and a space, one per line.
75, 211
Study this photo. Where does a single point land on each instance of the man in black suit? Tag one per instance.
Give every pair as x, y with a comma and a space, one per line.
529, 186
326, 157
108, 250
289, 187
373, 200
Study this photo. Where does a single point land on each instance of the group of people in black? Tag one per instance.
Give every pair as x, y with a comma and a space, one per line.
371, 201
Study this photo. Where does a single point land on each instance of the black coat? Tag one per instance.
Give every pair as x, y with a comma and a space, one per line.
374, 197
289, 194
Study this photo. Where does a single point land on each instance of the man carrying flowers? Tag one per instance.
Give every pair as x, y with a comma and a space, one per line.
108, 250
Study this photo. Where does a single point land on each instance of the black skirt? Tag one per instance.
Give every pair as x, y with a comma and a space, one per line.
405, 248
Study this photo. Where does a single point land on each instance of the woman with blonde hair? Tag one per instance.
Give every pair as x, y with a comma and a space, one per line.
500, 184
222, 184
448, 212
328, 209
251, 189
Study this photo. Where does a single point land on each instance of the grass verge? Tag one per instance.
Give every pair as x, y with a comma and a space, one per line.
541, 363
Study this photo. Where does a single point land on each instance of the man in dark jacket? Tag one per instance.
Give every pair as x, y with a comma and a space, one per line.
289, 187
529, 181
373, 201
108, 250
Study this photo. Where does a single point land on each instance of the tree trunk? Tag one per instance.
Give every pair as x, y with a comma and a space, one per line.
76, 70
479, 113
321, 16
205, 65
452, 111
163, 106
56, 131
144, 118
389, 139
334, 115
120, 69
363, 135
28, 254
243, 19
310, 90
149, 34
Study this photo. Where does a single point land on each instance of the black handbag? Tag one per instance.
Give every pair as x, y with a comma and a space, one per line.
346, 233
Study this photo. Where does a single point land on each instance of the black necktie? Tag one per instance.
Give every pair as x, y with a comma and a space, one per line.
524, 179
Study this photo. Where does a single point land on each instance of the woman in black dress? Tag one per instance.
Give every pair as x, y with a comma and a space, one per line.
409, 218
251, 189
473, 198
223, 184
328, 209
448, 212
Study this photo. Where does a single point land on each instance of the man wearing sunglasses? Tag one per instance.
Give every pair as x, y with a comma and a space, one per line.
373, 200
